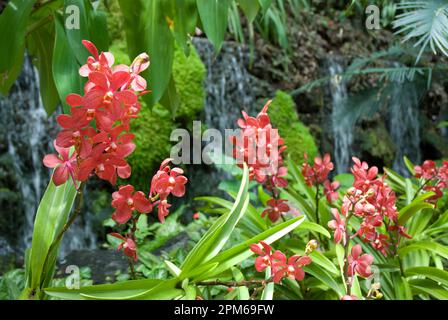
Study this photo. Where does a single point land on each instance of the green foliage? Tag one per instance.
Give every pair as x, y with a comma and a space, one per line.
296, 135
51, 216
12, 284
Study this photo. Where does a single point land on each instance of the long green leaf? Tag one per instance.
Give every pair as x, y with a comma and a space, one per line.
425, 245
216, 237
13, 23
65, 65
51, 215
213, 14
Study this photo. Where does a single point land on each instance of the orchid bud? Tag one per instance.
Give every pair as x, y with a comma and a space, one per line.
311, 246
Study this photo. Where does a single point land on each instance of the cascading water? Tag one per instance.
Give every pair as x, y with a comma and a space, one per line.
229, 86
341, 123
404, 126
27, 134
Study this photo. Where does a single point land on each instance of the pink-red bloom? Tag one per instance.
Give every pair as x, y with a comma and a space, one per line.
338, 225
291, 268
359, 263
125, 201
128, 246
330, 190
66, 165
276, 209
318, 173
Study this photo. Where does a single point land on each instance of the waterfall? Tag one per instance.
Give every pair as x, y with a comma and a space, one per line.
228, 85
341, 123
26, 135
404, 127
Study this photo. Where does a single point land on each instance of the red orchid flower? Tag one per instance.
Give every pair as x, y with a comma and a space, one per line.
338, 225
168, 180
264, 251
359, 264
125, 201
101, 62
277, 208
128, 245
66, 165
427, 171
292, 268
330, 190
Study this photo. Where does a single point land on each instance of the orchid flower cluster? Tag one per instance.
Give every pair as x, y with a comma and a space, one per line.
261, 147
96, 138
280, 266
98, 123
435, 178
129, 205
317, 175
373, 201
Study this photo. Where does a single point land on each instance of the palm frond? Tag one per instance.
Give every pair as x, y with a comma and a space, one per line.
425, 21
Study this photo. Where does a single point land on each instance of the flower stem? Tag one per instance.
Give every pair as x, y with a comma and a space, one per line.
233, 283
346, 246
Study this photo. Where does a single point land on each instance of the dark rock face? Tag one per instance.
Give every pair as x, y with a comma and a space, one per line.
103, 264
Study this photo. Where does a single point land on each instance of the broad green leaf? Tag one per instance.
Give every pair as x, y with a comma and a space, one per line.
51, 215
311, 226
323, 261
40, 45
13, 23
76, 33
326, 278
250, 9
185, 18
243, 292
170, 98
402, 288
440, 276
428, 287
414, 207
213, 14
147, 31
425, 245
132, 289
65, 65
216, 237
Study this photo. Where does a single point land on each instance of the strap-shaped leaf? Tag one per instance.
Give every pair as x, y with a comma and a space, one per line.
415, 206
241, 252
51, 215
216, 237
425, 245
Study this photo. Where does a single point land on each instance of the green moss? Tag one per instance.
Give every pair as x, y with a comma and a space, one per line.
377, 142
189, 74
152, 131
297, 136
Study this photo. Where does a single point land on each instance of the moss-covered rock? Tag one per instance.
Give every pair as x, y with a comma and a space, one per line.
376, 144
189, 74
297, 136
152, 131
